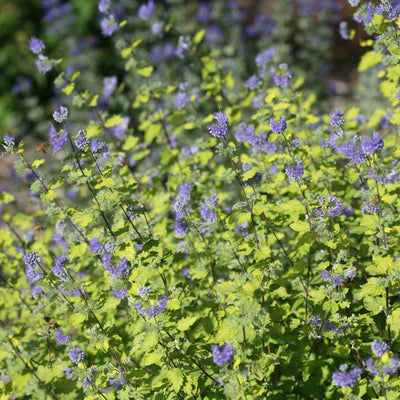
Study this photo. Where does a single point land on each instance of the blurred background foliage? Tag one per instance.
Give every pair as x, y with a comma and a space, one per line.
304, 32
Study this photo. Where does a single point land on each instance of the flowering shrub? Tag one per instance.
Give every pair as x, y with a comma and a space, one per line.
195, 233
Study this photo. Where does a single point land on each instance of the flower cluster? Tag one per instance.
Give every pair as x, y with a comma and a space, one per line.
220, 128
222, 355
155, 309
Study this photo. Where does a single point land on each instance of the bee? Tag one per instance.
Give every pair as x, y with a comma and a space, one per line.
38, 228
51, 322
43, 147
375, 202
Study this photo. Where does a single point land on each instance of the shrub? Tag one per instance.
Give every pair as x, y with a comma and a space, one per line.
196, 233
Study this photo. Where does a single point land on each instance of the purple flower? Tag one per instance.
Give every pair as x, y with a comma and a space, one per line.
344, 30
156, 309
393, 366
278, 126
58, 270
119, 131
36, 46
115, 270
265, 57
36, 291
61, 114
9, 141
157, 28
180, 227
219, 129
350, 273
146, 10
346, 379
212, 201
372, 145
104, 5
254, 180
379, 348
282, 78
82, 142
61, 338
33, 273
120, 294
325, 275
76, 355
109, 85
336, 280
222, 355
44, 64
203, 14
244, 133
68, 373
181, 99
108, 25
295, 172
143, 291
57, 142
315, 320
95, 246
241, 229
337, 119
207, 214
253, 82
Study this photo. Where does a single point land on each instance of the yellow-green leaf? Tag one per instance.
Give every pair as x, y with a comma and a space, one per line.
369, 59
38, 163
145, 71
185, 323
175, 377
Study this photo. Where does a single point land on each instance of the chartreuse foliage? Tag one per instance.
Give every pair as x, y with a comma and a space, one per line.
191, 236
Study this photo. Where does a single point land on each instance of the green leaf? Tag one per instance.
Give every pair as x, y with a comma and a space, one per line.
300, 226
150, 359
145, 71
175, 377
76, 320
69, 88
369, 59
38, 163
6, 198
198, 37
185, 323
152, 132
114, 120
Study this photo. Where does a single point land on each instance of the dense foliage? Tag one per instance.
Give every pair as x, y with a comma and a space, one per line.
197, 227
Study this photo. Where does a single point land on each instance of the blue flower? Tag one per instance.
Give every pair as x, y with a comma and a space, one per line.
76, 355
36, 46
108, 25
295, 172
109, 85
82, 142
222, 355
379, 348
207, 214
278, 126
346, 379
57, 142
104, 5
337, 119
61, 338
146, 10
219, 129
33, 273
60, 115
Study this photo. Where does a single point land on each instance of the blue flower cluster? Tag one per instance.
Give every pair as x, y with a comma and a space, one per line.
220, 128
222, 355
